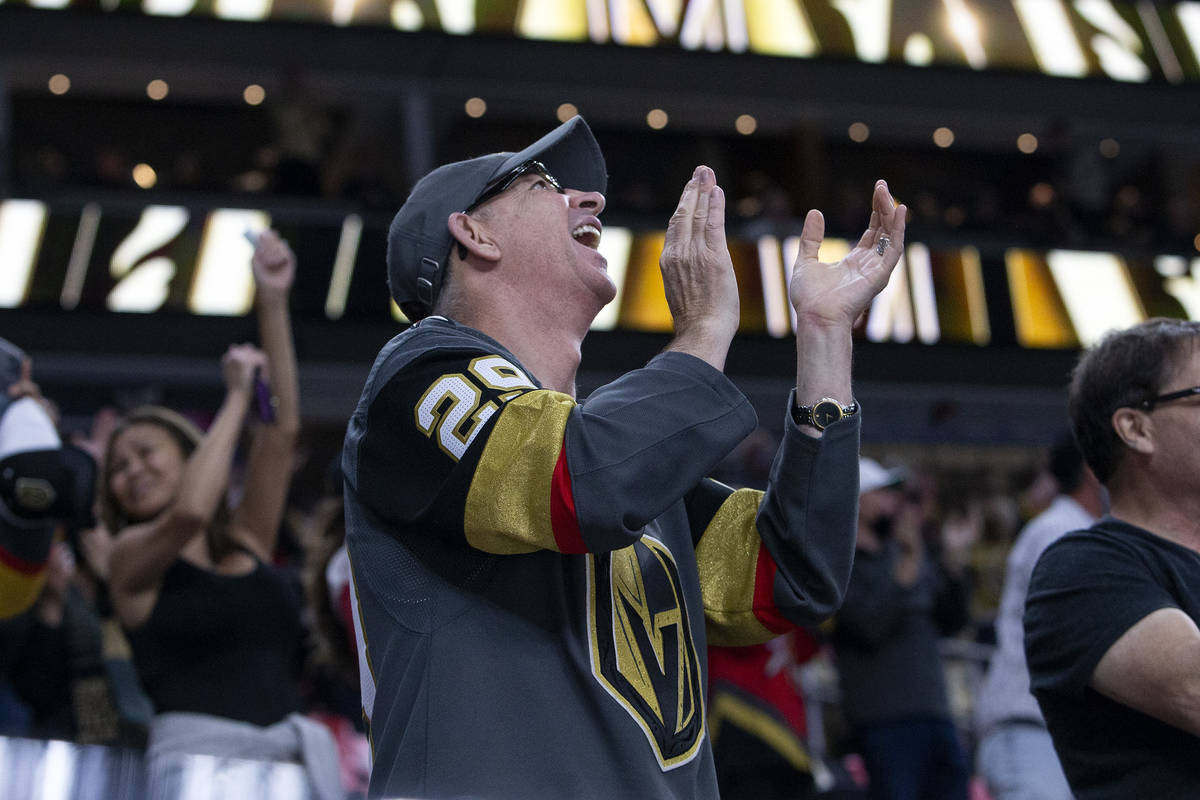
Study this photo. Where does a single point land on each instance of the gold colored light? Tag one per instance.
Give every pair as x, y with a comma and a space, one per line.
859, 132
254, 94
475, 107
746, 124
1110, 148
157, 89
943, 137
1027, 143
1041, 195
59, 84
145, 176
657, 119
566, 111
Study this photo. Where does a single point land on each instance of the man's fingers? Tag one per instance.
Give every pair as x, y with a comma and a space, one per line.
681, 220
812, 235
705, 180
714, 227
898, 222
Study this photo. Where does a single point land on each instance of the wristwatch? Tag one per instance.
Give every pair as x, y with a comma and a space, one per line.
823, 413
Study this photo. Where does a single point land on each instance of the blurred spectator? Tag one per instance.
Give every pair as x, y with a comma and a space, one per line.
214, 627
885, 640
757, 720
333, 652
1015, 755
66, 659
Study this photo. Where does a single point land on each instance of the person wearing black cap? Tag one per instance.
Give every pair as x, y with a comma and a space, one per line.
885, 641
536, 578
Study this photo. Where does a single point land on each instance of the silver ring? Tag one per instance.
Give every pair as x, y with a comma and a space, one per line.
883, 243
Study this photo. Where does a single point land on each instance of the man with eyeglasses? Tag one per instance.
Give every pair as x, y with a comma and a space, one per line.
537, 577
1111, 633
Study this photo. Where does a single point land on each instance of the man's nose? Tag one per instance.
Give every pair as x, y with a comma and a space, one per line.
592, 202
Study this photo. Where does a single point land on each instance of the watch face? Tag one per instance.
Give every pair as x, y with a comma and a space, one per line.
825, 413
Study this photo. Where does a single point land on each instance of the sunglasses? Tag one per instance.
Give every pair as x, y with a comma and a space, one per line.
499, 185
1150, 402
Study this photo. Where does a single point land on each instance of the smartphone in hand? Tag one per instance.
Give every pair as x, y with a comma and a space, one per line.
262, 393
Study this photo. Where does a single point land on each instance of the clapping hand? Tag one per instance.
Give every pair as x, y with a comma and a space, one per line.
829, 295
698, 277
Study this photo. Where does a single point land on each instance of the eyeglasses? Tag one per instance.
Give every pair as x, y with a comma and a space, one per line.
509, 178
506, 180
1150, 402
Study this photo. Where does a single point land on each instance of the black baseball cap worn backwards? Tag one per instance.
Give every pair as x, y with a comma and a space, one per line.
419, 240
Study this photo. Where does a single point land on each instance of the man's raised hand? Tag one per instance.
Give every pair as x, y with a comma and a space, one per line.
827, 295
698, 277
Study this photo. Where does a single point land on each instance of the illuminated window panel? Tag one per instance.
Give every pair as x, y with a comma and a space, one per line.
891, 316
143, 284
615, 245
709, 25
965, 29
1098, 292
870, 24
962, 310
243, 9
168, 8
1039, 315
343, 266
22, 223
780, 28
631, 24
924, 300
1189, 20
556, 20
223, 283
751, 289
457, 16
1181, 281
81, 255
643, 306
145, 289
1051, 36
776, 306
1119, 50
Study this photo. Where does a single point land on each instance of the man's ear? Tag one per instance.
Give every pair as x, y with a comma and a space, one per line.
474, 235
1135, 428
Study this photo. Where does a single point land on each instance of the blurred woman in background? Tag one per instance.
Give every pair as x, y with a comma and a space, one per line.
215, 628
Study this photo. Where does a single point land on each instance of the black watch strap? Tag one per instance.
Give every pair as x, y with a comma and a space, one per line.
823, 413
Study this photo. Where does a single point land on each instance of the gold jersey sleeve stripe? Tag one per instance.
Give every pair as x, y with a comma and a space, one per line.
508, 504
18, 590
727, 558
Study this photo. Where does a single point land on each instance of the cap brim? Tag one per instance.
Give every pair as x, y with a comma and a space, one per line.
570, 153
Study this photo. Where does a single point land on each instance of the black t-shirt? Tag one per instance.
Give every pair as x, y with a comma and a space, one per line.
225, 645
1087, 590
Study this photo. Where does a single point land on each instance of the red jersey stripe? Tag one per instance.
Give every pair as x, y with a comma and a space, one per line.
562, 509
764, 586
